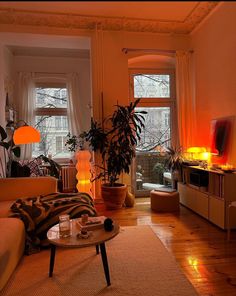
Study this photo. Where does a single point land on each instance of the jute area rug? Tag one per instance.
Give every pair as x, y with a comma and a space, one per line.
139, 265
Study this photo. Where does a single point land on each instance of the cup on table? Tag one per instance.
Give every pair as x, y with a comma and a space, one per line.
64, 225
84, 219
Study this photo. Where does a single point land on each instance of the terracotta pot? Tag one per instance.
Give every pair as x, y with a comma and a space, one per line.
114, 197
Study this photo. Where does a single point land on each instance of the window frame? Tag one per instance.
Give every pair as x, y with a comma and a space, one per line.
155, 102
40, 111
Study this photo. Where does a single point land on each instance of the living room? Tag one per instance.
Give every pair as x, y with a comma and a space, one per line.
102, 45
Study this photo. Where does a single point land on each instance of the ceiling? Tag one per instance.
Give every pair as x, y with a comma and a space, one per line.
144, 16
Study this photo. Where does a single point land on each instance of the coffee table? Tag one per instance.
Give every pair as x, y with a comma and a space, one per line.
97, 238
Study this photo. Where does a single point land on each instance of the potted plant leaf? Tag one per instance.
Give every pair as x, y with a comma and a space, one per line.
173, 163
116, 145
10, 152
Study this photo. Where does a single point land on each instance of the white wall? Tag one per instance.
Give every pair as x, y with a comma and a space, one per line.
60, 65
214, 45
115, 62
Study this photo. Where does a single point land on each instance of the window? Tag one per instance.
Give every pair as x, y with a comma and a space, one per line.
157, 93
51, 119
151, 86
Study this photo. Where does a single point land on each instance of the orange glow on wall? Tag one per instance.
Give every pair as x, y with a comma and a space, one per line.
83, 175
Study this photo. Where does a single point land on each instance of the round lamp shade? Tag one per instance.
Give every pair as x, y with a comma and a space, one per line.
25, 135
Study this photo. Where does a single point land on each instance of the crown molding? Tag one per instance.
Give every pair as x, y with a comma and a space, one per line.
74, 21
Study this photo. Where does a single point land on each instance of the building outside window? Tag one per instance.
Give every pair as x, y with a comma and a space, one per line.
157, 93
51, 120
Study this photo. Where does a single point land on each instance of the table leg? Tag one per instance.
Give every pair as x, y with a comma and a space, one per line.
52, 259
105, 263
97, 249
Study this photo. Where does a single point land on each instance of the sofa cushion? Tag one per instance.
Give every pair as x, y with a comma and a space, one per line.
13, 188
5, 208
11, 247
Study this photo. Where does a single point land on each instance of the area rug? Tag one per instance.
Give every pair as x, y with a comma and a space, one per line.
139, 265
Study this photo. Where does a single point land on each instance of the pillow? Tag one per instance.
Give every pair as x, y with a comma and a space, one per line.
19, 170
34, 166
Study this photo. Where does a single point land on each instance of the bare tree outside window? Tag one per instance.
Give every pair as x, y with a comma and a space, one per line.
155, 91
151, 86
51, 119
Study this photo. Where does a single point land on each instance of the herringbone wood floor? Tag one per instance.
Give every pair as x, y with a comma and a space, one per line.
200, 248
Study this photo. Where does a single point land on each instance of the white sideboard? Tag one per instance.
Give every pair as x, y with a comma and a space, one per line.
208, 193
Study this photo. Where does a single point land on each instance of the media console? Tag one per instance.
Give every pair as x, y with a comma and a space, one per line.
208, 193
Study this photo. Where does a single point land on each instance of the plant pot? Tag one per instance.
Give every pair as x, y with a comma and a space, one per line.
114, 197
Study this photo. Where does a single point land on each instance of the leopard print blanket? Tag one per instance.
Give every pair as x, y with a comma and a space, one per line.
42, 212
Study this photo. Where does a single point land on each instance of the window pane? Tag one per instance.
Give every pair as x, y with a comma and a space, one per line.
51, 97
151, 86
150, 151
157, 128
53, 136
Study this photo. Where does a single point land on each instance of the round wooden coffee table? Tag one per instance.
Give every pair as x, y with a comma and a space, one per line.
97, 238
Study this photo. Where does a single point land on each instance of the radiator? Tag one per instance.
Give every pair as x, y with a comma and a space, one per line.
68, 176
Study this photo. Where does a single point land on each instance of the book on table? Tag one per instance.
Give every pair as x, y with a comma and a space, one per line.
92, 223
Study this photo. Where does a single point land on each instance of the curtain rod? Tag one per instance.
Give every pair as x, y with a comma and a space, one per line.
126, 50
37, 72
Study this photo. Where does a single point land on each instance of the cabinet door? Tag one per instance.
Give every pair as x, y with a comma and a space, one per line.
186, 198
201, 203
217, 211
194, 199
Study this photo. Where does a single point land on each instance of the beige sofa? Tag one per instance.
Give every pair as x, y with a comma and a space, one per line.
12, 229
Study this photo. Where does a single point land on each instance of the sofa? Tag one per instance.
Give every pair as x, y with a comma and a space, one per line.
12, 229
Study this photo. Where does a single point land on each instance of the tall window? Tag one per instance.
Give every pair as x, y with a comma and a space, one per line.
51, 119
157, 93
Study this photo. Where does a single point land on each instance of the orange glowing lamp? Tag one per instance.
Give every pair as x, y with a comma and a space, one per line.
25, 135
205, 156
83, 175
194, 152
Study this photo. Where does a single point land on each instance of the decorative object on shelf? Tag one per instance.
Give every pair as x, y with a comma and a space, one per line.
227, 168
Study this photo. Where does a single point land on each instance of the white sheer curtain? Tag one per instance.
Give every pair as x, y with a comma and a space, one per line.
26, 106
185, 99
75, 103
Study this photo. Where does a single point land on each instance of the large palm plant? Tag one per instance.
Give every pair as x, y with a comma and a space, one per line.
117, 143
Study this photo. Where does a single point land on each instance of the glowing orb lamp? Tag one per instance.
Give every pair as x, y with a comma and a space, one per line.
83, 175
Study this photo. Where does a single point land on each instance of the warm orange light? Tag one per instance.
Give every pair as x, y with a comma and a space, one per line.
25, 135
83, 167
196, 149
198, 153
205, 156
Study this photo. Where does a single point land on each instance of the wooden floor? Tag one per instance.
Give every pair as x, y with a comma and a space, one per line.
200, 248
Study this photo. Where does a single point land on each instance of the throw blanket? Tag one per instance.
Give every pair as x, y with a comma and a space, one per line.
42, 212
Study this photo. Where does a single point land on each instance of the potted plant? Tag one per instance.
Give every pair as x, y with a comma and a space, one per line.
10, 152
116, 145
173, 163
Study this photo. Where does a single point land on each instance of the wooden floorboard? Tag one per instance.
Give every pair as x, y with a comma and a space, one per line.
200, 248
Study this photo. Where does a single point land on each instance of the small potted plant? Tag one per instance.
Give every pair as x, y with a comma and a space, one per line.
173, 163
